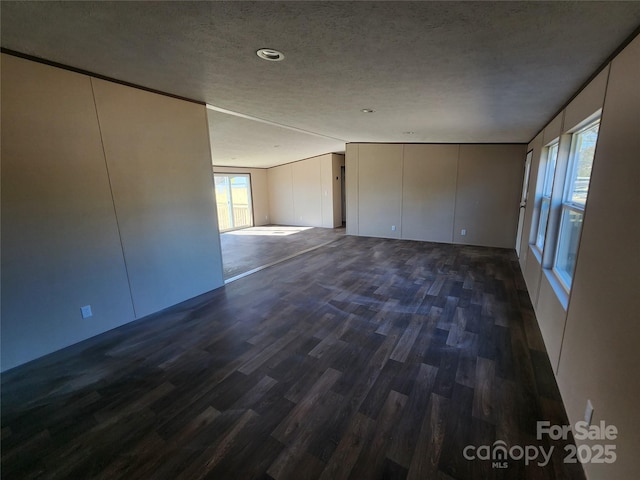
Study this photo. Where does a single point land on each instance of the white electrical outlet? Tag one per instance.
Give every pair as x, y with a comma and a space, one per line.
86, 311
393, 228
463, 232
588, 412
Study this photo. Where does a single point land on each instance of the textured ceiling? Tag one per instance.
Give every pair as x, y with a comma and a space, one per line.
448, 71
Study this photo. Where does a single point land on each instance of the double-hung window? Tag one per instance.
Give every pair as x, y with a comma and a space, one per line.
547, 188
574, 199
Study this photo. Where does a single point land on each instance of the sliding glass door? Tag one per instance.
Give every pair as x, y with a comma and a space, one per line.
233, 197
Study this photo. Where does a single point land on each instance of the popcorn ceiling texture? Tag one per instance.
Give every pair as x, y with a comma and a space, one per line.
475, 72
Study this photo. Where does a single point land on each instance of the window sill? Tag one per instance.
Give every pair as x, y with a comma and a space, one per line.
536, 252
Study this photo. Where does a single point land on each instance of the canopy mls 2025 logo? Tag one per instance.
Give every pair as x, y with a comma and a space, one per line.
500, 454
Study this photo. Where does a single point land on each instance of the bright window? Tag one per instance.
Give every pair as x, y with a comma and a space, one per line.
545, 203
574, 199
233, 198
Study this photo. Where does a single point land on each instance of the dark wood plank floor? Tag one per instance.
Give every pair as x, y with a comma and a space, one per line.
364, 359
250, 248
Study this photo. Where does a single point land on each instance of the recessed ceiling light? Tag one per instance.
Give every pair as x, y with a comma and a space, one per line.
270, 54
367, 110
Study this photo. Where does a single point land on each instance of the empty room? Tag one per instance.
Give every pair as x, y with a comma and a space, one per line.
320, 240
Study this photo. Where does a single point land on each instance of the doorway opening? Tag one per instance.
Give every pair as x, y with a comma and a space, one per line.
233, 199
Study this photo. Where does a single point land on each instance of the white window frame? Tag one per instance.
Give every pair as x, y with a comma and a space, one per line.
551, 163
568, 205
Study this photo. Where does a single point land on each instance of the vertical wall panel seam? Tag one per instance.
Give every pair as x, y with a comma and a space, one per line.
455, 197
322, 209
358, 189
113, 202
322, 201
293, 197
401, 235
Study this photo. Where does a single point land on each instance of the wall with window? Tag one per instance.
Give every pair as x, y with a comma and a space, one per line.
562, 157
259, 191
307, 192
583, 278
107, 201
448, 193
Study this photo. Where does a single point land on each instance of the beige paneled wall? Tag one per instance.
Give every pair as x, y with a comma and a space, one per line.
326, 192
488, 193
551, 308
551, 315
545, 291
554, 129
69, 239
432, 192
304, 192
599, 359
60, 243
380, 190
429, 192
532, 273
157, 151
280, 182
307, 192
592, 334
352, 163
582, 106
259, 191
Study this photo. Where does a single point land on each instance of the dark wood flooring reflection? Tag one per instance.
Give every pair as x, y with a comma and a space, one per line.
250, 248
363, 359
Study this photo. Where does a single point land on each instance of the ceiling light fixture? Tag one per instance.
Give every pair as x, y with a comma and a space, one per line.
367, 110
270, 54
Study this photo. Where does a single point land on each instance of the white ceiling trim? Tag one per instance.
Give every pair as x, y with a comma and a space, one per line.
268, 122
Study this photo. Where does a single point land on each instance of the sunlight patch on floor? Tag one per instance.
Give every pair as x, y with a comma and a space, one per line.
269, 231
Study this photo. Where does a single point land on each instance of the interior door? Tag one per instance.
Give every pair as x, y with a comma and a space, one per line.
523, 200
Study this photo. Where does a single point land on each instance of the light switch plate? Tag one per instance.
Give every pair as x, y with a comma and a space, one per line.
86, 311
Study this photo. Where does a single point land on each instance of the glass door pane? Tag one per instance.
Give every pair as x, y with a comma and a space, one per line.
241, 201
233, 199
223, 202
